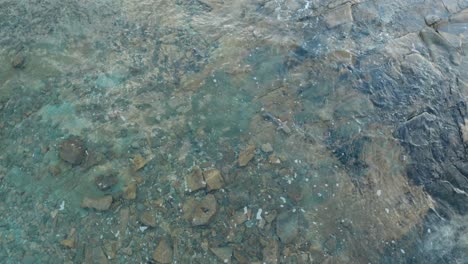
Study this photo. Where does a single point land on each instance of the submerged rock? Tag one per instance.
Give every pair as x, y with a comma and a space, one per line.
213, 179
105, 183
194, 180
100, 204
72, 150
246, 155
148, 219
19, 61
204, 211
68, 243
223, 253
163, 252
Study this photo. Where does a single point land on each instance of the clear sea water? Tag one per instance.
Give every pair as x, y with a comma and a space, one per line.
139, 96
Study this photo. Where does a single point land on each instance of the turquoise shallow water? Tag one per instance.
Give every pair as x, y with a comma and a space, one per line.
232, 132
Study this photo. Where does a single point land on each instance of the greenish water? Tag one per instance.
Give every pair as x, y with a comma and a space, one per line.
216, 132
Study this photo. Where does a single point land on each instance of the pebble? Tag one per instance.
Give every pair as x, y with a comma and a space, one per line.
204, 211
148, 219
100, 204
246, 155
163, 252
194, 180
72, 150
213, 179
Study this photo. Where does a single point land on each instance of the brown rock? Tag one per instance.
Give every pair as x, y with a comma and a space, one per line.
100, 204
213, 179
148, 219
194, 180
204, 211
163, 252
138, 162
246, 155
72, 150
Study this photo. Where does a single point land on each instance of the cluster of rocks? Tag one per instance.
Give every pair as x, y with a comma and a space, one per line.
201, 211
